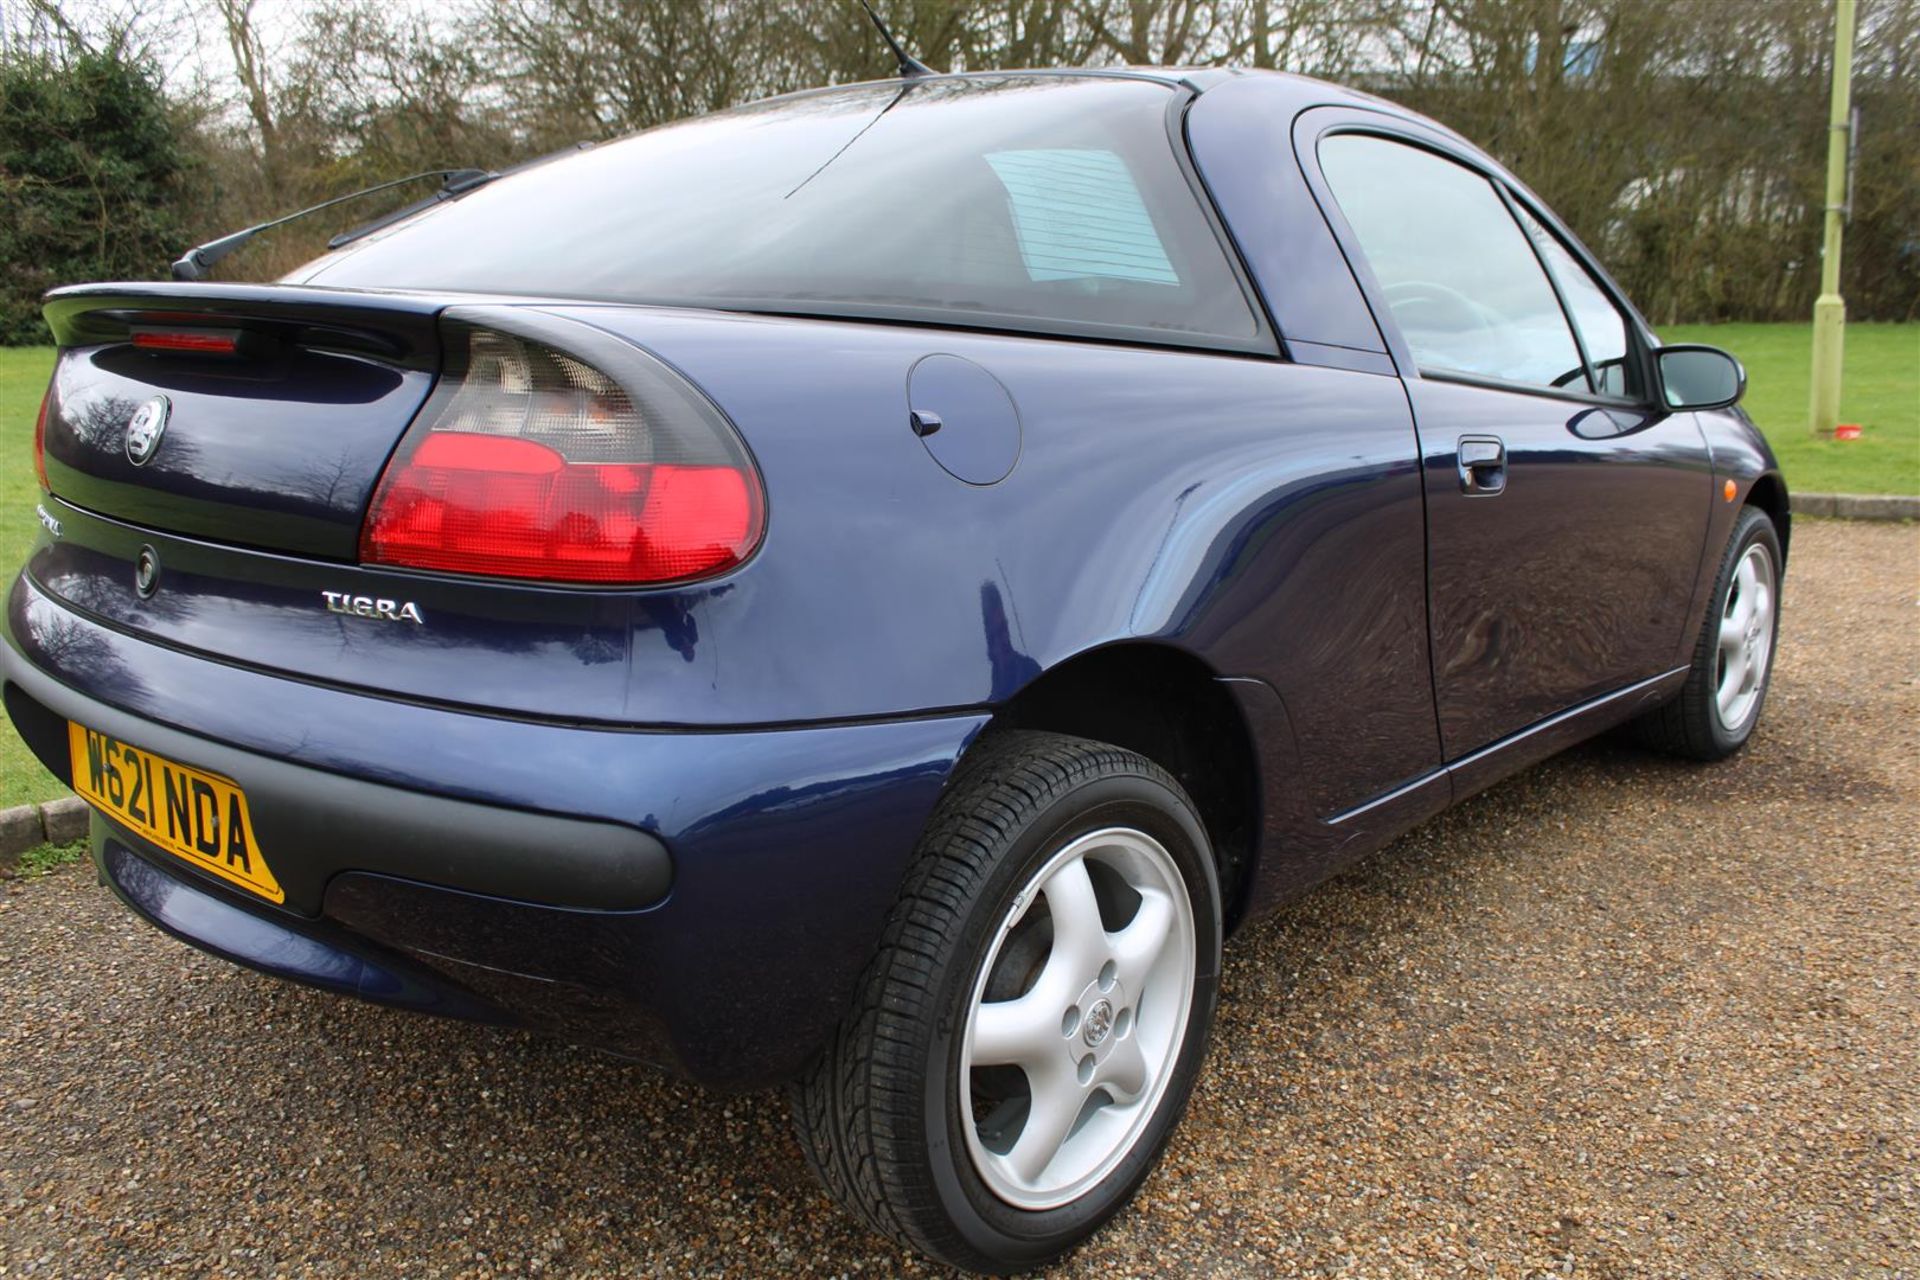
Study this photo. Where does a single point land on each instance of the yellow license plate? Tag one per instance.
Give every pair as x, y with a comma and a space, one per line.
197, 816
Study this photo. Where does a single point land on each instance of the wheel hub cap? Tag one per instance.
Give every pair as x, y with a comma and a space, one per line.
1099, 1023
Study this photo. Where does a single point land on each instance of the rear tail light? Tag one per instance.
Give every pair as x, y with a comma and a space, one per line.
40, 441
528, 462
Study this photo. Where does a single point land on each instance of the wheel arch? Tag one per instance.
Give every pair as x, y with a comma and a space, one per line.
1169, 706
1769, 493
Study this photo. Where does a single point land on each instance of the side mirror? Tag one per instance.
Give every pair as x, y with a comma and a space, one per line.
1693, 376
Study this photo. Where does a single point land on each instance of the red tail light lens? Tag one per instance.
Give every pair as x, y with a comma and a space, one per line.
40, 441
530, 463
203, 342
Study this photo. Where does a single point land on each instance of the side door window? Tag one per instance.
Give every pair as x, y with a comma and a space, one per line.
1464, 285
1603, 330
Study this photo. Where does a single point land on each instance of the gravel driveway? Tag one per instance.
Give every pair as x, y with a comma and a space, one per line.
1617, 1017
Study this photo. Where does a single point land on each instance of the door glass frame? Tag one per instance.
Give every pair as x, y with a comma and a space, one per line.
1639, 349
1315, 125
1553, 283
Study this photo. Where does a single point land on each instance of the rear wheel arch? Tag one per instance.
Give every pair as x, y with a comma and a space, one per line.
1167, 705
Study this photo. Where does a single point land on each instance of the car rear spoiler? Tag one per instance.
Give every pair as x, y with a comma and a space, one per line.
396, 328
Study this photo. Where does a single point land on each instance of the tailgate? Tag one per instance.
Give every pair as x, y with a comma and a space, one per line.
256, 416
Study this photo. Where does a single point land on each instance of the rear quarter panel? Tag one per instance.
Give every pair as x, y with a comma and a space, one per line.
1264, 516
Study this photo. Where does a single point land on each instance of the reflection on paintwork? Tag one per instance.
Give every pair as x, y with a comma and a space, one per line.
1607, 423
288, 457
1012, 669
276, 616
671, 617
1575, 581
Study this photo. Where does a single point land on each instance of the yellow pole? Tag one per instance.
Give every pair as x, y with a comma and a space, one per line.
1830, 309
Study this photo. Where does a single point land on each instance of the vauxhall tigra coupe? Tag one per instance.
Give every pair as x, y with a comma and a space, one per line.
865, 591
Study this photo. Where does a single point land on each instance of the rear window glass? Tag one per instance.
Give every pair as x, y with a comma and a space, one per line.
1043, 203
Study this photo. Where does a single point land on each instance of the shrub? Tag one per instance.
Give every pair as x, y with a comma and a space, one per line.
91, 171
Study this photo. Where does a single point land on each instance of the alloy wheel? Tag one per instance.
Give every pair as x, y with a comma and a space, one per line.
1077, 1018
1746, 639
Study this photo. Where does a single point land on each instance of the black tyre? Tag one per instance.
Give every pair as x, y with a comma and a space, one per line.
1027, 1036
1733, 660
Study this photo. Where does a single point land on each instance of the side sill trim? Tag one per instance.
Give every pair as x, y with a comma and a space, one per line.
1540, 739
1385, 798
1632, 691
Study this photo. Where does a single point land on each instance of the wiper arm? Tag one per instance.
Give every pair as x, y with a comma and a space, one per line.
197, 261
458, 184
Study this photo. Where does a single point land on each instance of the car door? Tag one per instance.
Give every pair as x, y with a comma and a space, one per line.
1565, 511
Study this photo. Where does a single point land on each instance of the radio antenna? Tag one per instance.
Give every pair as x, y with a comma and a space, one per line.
911, 68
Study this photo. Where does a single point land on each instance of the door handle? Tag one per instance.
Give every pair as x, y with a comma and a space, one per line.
1483, 465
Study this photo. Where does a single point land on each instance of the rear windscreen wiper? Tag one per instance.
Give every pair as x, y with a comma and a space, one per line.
455, 186
197, 261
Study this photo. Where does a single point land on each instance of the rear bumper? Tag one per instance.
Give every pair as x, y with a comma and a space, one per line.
314, 952
318, 824
703, 901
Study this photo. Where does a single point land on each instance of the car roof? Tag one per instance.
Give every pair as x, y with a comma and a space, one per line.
1300, 91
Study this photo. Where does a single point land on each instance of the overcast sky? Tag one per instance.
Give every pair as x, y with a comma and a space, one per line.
187, 36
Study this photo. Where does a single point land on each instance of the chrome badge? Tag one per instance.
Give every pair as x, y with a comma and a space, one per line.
144, 429
375, 607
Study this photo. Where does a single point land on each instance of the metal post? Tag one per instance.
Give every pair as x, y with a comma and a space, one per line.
1830, 310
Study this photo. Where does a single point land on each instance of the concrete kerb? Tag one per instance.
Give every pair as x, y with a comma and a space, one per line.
28, 826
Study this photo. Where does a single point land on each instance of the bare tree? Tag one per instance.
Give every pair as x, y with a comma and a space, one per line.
130, 29
1155, 32
572, 69
250, 67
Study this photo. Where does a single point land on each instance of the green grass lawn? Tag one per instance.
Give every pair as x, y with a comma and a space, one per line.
1882, 393
1880, 390
23, 379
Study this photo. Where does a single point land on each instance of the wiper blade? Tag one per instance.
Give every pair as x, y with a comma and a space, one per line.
455, 186
197, 261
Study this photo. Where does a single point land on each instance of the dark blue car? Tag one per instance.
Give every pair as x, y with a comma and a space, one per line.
865, 591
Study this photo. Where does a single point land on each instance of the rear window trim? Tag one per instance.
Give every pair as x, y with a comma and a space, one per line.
911, 317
